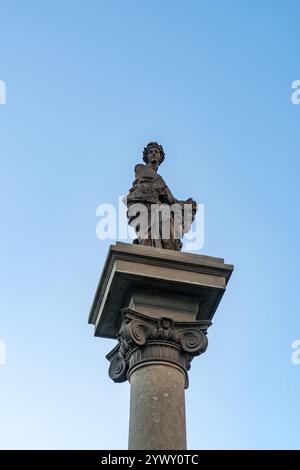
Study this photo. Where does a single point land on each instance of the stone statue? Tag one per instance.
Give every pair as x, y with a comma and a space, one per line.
159, 219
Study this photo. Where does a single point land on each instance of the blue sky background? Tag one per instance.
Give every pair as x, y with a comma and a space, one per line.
88, 85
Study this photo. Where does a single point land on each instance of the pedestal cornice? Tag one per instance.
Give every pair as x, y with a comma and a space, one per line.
132, 269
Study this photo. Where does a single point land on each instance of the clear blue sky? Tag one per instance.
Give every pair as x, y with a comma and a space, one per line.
88, 85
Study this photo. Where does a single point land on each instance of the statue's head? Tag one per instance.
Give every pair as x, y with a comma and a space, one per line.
153, 154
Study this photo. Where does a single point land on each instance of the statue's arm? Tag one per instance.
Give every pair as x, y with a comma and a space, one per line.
167, 197
171, 198
137, 171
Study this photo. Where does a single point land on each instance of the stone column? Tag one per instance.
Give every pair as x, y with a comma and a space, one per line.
158, 305
154, 354
157, 408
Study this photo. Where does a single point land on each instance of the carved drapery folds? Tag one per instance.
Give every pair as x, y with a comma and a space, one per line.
144, 339
158, 218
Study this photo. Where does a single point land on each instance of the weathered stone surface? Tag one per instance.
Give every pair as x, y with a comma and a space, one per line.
157, 408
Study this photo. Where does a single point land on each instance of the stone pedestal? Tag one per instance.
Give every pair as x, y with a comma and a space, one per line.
158, 304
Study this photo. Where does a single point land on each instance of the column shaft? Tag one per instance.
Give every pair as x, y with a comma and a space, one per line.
157, 408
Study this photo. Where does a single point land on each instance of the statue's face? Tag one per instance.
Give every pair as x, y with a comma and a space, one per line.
154, 156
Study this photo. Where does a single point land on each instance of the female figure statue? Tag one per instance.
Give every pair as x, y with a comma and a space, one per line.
159, 219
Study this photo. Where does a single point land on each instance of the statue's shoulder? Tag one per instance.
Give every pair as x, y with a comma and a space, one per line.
144, 172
